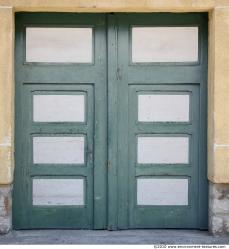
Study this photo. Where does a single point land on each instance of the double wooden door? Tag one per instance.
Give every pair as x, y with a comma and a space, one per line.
110, 120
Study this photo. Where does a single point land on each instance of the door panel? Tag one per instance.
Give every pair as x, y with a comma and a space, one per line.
163, 157
161, 93
60, 175
59, 149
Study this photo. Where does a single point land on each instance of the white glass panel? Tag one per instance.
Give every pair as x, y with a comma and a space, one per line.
163, 108
58, 150
59, 108
58, 44
165, 150
58, 192
162, 191
164, 44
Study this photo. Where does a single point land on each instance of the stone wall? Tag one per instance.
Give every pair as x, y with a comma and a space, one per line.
5, 209
219, 208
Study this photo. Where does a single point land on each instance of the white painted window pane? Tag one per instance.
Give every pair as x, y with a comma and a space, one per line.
162, 191
58, 108
58, 150
164, 150
163, 108
164, 44
58, 44
58, 192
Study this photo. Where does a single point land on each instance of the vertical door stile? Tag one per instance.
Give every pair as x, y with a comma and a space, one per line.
112, 61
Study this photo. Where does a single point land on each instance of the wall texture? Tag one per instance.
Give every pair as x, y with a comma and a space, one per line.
6, 94
218, 111
115, 5
218, 208
218, 82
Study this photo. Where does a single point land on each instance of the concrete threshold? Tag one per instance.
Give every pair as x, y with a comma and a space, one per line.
139, 236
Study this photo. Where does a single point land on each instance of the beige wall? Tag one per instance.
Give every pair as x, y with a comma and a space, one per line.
6, 94
114, 5
218, 97
218, 90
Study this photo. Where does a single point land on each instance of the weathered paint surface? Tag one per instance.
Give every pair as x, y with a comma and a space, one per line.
218, 132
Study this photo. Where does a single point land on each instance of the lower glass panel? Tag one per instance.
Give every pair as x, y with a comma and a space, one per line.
163, 150
58, 192
162, 191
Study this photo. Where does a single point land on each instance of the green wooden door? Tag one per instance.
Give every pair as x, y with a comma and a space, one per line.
61, 113
110, 121
159, 134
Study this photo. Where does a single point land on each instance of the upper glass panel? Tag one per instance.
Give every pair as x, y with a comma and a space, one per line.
59, 108
164, 44
61, 45
163, 108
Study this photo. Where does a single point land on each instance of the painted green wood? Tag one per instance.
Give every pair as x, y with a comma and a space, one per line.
147, 77
111, 84
147, 216
112, 163
64, 78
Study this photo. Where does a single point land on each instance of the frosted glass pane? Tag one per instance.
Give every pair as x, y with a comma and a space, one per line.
58, 108
58, 150
58, 44
163, 108
58, 192
162, 191
165, 150
164, 44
